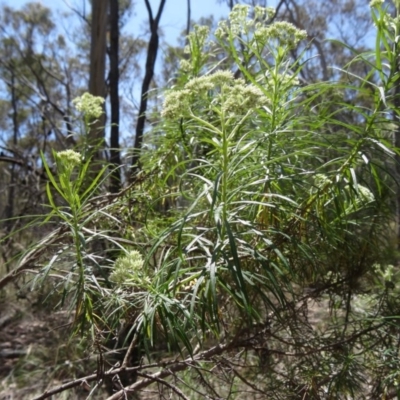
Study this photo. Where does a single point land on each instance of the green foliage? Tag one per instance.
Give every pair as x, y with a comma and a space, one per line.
70, 186
258, 199
274, 202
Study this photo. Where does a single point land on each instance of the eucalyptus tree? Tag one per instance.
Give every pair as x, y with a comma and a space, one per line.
151, 57
97, 69
37, 76
115, 157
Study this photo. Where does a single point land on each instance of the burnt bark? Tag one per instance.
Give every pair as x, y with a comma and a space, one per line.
188, 17
97, 84
115, 156
152, 51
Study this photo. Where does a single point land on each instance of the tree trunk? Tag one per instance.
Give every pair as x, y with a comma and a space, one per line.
115, 157
188, 17
148, 77
97, 85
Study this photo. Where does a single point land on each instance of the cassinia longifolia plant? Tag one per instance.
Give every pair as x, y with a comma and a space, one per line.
256, 245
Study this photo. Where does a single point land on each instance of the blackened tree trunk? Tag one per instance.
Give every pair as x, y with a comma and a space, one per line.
148, 77
188, 17
97, 84
115, 157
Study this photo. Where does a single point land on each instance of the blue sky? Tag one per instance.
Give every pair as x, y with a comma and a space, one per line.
173, 18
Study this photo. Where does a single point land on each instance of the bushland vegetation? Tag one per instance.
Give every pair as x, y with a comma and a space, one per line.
251, 250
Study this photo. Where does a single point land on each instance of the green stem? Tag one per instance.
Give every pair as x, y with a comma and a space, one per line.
69, 192
225, 164
79, 259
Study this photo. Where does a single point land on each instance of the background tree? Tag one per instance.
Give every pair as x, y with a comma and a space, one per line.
151, 58
37, 102
97, 69
115, 157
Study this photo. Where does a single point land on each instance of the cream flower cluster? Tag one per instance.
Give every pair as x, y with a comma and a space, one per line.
284, 32
127, 268
197, 41
240, 24
238, 18
232, 96
241, 98
364, 195
263, 32
91, 106
69, 158
199, 34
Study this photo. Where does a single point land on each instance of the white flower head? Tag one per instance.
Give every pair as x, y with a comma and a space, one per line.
360, 199
201, 33
365, 194
222, 30
232, 95
185, 66
176, 104
239, 98
197, 39
388, 273
284, 32
91, 106
127, 267
263, 13
238, 19
69, 158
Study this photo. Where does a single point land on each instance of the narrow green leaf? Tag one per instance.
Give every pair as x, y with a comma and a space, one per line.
235, 267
